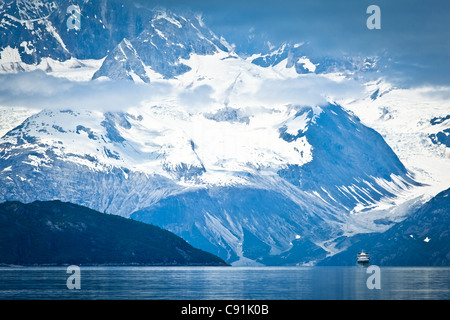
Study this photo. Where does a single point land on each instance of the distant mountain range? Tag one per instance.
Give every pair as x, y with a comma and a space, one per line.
132, 37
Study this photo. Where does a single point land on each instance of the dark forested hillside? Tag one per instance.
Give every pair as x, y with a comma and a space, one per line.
55, 233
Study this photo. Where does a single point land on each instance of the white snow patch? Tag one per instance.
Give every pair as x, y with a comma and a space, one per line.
297, 124
26, 45
8, 55
311, 67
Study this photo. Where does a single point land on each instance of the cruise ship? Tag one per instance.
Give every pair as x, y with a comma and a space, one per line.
363, 258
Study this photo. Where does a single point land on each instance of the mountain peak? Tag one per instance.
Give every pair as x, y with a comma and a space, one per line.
166, 40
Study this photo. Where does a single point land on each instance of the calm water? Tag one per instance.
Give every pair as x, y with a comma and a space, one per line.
192, 283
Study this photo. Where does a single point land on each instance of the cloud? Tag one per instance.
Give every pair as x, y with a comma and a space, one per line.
38, 90
197, 97
306, 90
442, 93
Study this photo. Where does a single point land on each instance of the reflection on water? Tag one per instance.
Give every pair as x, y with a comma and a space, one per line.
274, 283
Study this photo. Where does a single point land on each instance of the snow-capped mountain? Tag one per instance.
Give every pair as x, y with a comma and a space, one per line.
303, 178
36, 35
232, 173
302, 59
38, 29
159, 51
132, 39
241, 156
166, 39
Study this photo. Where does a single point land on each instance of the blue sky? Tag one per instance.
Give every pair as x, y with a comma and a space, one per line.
415, 33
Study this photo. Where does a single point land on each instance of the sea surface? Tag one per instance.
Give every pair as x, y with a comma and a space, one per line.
225, 283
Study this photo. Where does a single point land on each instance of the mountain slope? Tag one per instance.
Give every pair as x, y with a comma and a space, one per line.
415, 123
422, 239
55, 233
